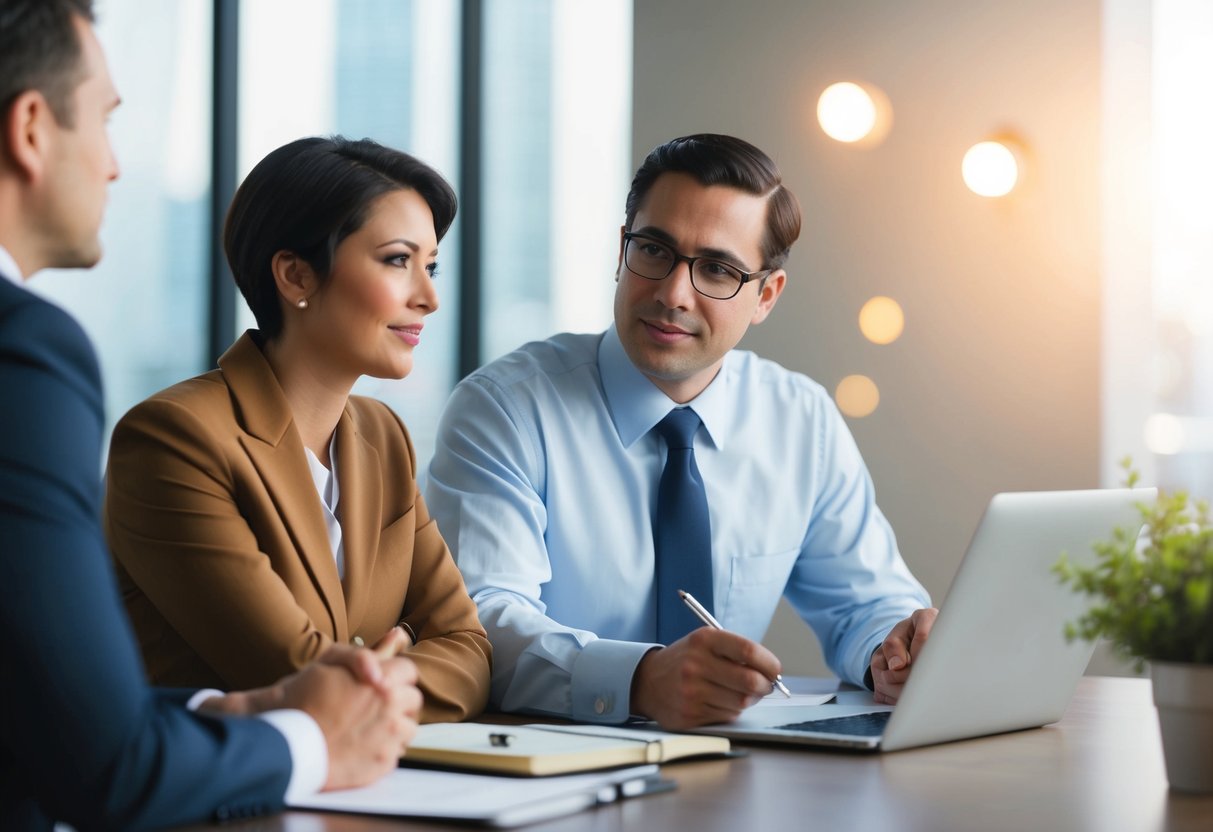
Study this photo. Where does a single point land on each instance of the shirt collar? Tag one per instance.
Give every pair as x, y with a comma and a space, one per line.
8, 267
636, 405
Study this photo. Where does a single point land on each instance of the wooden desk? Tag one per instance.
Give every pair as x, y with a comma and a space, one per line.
1099, 769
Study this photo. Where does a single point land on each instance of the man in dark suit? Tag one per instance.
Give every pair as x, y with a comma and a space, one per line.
82, 737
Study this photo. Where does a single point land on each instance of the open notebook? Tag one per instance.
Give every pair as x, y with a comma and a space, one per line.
537, 750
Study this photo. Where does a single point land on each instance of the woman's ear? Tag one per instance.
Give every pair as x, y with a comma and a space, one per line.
295, 279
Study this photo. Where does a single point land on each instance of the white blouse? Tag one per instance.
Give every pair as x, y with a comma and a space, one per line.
330, 493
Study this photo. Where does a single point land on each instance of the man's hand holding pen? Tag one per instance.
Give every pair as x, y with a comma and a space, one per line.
705, 677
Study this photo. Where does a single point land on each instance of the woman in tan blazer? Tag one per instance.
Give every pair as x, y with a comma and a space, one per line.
259, 513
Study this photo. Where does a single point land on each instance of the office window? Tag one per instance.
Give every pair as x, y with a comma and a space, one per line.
556, 158
1180, 432
1159, 254
145, 305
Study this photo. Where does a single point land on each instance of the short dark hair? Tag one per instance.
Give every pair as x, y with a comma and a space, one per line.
40, 50
714, 159
308, 196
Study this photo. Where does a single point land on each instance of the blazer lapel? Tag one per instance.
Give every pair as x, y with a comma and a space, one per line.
360, 513
276, 450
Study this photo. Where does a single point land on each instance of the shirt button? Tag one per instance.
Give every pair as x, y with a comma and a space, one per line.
358, 642
600, 706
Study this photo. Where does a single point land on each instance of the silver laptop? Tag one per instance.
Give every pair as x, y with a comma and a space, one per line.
996, 659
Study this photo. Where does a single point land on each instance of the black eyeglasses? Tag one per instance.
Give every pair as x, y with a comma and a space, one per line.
654, 260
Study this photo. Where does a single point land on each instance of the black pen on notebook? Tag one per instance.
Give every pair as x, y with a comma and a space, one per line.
707, 618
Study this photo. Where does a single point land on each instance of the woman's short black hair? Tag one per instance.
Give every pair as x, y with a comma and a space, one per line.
308, 196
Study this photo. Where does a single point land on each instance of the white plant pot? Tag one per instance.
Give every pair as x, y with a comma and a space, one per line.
1183, 694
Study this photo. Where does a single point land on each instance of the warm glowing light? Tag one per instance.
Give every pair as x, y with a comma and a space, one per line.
990, 169
857, 396
1164, 434
846, 112
881, 320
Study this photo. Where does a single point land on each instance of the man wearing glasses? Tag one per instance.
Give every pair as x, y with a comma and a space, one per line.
583, 481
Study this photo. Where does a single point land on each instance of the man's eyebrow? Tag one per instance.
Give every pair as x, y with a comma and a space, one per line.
656, 233
714, 253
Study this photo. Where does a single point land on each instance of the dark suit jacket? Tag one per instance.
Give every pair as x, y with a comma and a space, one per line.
224, 560
83, 739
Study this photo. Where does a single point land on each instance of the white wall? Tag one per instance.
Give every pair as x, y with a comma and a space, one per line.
995, 384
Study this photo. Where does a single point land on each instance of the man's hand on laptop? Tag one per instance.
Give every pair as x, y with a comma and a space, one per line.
706, 677
894, 658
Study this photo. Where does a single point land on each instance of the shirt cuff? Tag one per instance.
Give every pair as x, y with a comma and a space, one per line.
867, 676
195, 701
408, 629
602, 679
309, 752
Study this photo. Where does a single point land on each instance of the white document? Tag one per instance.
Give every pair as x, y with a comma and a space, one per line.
778, 700
486, 799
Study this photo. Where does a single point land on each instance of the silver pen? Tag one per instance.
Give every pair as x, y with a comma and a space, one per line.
707, 618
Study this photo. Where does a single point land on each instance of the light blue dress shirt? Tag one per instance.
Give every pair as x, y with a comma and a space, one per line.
544, 482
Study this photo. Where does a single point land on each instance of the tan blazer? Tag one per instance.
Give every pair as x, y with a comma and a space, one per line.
223, 557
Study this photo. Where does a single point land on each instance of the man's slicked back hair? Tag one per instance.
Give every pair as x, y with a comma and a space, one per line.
714, 159
40, 50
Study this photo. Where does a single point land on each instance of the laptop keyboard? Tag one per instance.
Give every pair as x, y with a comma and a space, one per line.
860, 725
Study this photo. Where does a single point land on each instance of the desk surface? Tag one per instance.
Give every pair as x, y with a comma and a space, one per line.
1099, 769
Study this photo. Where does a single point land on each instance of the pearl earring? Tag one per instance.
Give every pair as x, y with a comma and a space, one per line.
302, 304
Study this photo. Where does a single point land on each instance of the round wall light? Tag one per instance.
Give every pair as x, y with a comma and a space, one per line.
990, 168
881, 320
854, 113
857, 396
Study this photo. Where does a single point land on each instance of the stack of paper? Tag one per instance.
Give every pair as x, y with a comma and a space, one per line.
484, 799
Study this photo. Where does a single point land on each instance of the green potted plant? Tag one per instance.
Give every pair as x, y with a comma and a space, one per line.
1151, 597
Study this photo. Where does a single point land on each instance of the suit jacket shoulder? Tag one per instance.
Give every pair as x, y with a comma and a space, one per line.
53, 421
83, 738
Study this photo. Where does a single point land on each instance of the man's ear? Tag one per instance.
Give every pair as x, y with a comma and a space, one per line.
771, 289
293, 276
27, 134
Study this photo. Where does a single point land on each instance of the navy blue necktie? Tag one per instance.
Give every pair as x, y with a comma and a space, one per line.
682, 532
